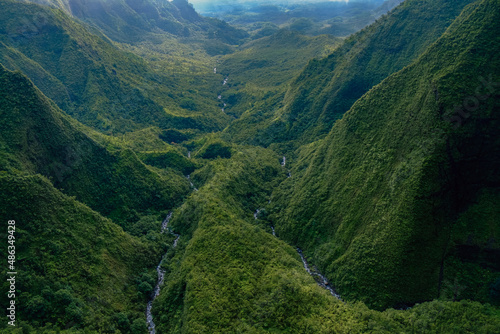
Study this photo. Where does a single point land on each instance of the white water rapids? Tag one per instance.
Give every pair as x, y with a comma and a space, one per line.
283, 164
320, 279
161, 277
159, 270
191, 183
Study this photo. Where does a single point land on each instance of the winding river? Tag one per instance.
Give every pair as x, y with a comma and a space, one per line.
161, 277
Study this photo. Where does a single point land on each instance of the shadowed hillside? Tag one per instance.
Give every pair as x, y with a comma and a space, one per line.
37, 138
396, 203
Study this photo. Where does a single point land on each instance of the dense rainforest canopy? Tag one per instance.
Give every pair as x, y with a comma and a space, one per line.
330, 167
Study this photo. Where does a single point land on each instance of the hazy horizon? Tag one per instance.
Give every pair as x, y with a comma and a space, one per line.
194, 2
201, 5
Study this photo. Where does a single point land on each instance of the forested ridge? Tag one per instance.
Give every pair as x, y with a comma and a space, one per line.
174, 173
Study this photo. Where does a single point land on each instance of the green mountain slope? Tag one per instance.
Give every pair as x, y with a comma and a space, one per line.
36, 137
97, 83
75, 269
229, 274
393, 196
266, 66
397, 203
135, 21
327, 88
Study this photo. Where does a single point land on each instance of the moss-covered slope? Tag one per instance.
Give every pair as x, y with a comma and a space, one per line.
75, 268
36, 137
328, 87
397, 204
95, 81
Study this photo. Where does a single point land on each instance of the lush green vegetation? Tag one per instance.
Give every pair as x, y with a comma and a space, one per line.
328, 87
100, 85
37, 138
76, 269
262, 68
131, 22
231, 275
393, 192
395, 204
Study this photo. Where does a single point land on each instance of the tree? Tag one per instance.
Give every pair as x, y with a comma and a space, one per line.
138, 327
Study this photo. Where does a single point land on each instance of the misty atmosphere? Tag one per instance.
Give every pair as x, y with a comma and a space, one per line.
339, 18
175, 166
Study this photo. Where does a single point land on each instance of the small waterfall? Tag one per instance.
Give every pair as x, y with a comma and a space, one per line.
176, 240
164, 224
189, 154
320, 279
283, 164
306, 266
161, 277
191, 183
225, 81
256, 216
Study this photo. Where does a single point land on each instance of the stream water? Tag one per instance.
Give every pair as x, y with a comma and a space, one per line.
256, 214
314, 272
161, 277
191, 183
318, 277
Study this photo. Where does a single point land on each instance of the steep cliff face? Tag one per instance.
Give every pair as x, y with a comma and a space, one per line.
390, 200
132, 21
75, 268
328, 87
